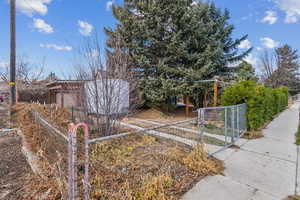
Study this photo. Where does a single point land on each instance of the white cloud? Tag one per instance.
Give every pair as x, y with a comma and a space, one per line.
30, 7
56, 47
85, 28
194, 3
270, 18
291, 9
269, 43
42, 26
109, 4
252, 60
246, 44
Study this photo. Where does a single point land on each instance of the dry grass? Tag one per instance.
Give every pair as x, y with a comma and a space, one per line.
253, 135
143, 167
199, 161
51, 182
158, 115
177, 132
59, 117
136, 167
293, 198
156, 187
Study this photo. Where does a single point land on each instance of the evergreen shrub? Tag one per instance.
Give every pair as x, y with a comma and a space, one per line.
262, 103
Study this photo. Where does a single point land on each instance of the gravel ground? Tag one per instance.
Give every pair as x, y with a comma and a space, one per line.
13, 164
13, 167
4, 116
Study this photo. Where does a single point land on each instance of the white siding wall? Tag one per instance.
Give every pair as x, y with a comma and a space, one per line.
117, 91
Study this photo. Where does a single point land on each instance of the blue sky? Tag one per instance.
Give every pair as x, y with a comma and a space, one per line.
55, 29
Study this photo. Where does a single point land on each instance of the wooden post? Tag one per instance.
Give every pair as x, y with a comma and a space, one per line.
187, 110
205, 103
12, 82
49, 97
62, 98
216, 93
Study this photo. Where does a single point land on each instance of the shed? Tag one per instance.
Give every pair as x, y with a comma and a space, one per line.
107, 96
66, 93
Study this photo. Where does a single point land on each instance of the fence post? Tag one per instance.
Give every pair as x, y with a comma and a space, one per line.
86, 162
226, 126
232, 125
72, 112
73, 158
201, 123
238, 120
73, 162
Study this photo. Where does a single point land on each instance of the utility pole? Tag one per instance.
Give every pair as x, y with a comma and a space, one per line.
12, 82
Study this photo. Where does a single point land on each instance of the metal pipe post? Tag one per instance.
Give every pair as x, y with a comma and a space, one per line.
232, 125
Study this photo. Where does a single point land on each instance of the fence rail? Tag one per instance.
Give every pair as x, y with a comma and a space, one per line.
218, 127
229, 123
38, 118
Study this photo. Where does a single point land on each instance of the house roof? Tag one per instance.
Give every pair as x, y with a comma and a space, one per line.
58, 82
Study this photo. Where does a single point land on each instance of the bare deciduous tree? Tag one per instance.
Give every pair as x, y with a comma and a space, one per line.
27, 72
268, 65
280, 67
106, 86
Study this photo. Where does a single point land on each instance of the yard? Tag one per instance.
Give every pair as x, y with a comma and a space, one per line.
146, 167
138, 166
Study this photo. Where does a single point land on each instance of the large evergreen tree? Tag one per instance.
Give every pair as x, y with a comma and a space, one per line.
174, 44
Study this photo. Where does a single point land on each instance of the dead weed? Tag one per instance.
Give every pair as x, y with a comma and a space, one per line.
199, 161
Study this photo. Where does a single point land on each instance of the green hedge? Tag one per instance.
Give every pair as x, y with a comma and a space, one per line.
263, 103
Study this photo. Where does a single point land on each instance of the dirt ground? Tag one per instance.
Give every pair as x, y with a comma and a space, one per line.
163, 117
139, 166
13, 167
143, 167
4, 116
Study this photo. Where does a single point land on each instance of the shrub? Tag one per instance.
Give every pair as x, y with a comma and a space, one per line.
263, 103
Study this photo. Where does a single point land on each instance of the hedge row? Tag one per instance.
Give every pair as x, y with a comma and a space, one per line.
263, 103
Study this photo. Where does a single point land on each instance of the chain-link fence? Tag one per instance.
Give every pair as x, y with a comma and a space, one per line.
128, 165
51, 147
186, 131
147, 151
227, 123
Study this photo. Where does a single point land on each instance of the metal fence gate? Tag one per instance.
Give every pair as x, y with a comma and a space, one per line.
226, 123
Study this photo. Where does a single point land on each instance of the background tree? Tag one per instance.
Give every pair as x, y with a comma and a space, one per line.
268, 66
281, 68
245, 71
173, 44
104, 89
31, 85
26, 72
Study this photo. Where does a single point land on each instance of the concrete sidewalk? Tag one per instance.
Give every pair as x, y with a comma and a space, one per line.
262, 169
